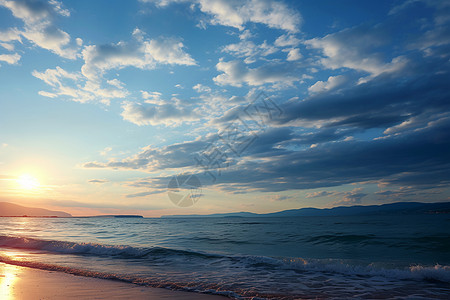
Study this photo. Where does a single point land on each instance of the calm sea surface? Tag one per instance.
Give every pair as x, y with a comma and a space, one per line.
395, 257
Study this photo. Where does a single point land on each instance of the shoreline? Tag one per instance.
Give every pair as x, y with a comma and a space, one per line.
17, 282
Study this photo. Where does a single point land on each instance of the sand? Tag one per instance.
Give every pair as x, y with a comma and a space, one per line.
26, 283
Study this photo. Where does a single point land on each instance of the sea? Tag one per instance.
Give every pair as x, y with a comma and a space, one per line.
352, 257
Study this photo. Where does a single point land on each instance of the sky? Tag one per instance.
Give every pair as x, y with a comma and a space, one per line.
106, 107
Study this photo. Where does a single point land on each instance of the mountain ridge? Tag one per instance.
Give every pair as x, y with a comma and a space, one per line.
389, 208
8, 209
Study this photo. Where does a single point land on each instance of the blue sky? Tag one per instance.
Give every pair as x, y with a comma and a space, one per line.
103, 102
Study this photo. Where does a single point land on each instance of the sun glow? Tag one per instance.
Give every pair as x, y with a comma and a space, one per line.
28, 182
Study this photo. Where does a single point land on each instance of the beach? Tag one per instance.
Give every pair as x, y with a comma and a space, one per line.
27, 283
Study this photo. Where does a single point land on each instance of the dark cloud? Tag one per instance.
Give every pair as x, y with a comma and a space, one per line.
420, 157
151, 158
143, 194
382, 102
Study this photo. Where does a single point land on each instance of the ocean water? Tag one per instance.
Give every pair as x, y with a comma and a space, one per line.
363, 257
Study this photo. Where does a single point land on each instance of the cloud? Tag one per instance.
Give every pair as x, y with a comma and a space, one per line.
249, 50
200, 88
53, 77
385, 101
11, 59
357, 48
105, 151
152, 97
9, 47
416, 158
277, 198
181, 155
381, 116
274, 14
78, 88
246, 34
293, 54
100, 181
150, 114
39, 28
319, 194
90, 84
144, 194
139, 53
236, 13
287, 40
433, 36
352, 197
47, 94
178, 155
331, 83
169, 51
10, 35
392, 129
236, 73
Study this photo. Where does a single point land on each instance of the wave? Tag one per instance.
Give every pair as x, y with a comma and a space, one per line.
345, 238
414, 272
121, 251
121, 277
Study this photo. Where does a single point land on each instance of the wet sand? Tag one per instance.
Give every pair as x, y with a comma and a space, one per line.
27, 283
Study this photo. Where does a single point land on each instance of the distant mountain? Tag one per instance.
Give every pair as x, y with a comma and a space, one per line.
224, 215
14, 210
392, 208
114, 216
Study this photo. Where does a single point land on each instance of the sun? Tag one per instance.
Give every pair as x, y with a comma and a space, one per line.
28, 182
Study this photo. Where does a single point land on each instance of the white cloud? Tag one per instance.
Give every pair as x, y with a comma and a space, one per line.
39, 29
200, 88
169, 51
286, 40
47, 94
90, 84
77, 88
53, 76
249, 50
331, 83
246, 34
59, 9
236, 13
149, 114
11, 59
79, 42
236, 73
294, 54
9, 47
10, 35
163, 3
116, 82
152, 97
139, 53
355, 48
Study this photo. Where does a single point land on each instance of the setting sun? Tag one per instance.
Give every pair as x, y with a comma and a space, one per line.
28, 182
